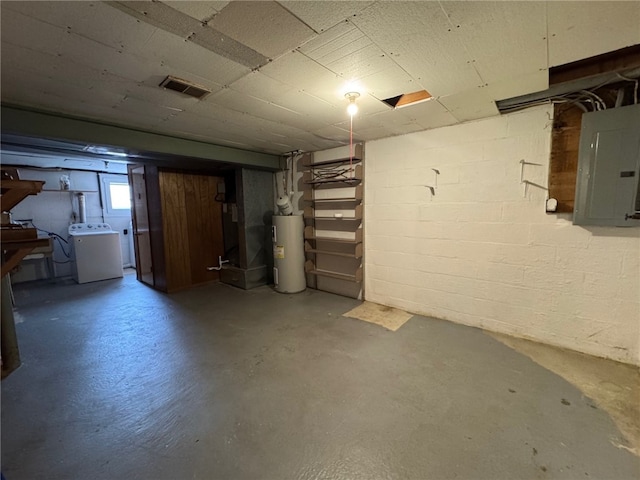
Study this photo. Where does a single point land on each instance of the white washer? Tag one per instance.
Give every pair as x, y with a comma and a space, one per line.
96, 252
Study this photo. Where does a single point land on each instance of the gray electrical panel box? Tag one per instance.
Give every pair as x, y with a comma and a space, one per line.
607, 188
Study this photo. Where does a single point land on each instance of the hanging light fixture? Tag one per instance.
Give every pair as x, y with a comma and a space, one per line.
352, 108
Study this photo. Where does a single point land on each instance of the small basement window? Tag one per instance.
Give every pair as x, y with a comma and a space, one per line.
116, 195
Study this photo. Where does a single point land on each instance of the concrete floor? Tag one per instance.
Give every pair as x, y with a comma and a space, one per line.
119, 381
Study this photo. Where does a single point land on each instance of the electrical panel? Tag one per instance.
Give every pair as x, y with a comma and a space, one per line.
607, 189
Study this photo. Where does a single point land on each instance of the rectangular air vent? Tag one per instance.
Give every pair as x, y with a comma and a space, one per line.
182, 86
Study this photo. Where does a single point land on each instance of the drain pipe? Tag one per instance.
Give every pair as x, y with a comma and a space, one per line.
220, 263
82, 208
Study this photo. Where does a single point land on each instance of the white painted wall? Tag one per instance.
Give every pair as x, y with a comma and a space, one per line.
482, 253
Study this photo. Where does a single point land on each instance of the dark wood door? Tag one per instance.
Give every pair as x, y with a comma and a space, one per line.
140, 220
192, 225
204, 225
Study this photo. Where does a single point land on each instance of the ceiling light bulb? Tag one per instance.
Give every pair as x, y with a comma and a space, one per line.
352, 108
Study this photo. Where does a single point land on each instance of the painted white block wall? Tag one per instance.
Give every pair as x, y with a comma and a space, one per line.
482, 253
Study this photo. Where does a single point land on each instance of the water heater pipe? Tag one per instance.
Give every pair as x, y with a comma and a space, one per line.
220, 263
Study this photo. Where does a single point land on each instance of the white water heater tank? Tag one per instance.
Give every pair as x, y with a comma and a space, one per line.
288, 253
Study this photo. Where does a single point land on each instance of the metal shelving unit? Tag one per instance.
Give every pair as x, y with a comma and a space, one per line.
334, 215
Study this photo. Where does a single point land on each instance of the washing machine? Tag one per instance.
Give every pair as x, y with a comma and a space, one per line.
96, 252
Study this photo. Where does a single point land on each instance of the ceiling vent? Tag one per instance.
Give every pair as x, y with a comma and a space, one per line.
182, 86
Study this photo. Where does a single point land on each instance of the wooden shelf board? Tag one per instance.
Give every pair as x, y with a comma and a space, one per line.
339, 276
332, 180
9, 245
334, 200
35, 185
333, 240
329, 252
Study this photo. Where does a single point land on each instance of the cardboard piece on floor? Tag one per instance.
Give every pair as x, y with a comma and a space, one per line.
387, 317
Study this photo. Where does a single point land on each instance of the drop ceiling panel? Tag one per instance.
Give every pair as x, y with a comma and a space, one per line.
429, 114
65, 49
135, 105
419, 38
253, 24
199, 10
395, 122
259, 108
322, 15
336, 43
580, 30
470, 105
297, 70
316, 111
95, 20
332, 132
16, 83
522, 85
503, 39
258, 84
160, 96
364, 61
18, 29
390, 82
203, 65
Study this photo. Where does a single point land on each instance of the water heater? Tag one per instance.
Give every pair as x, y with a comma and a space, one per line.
288, 253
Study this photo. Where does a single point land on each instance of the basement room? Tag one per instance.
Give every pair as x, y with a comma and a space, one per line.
320, 239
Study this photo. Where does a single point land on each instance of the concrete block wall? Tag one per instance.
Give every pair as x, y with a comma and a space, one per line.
483, 252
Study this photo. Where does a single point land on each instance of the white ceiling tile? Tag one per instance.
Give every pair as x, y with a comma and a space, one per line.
429, 114
163, 97
504, 39
323, 46
253, 24
580, 30
390, 82
470, 105
203, 65
199, 10
259, 108
16, 81
297, 70
325, 14
315, 110
259, 85
135, 105
358, 63
522, 85
419, 38
331, 132
20, 29
95, 20
395, 122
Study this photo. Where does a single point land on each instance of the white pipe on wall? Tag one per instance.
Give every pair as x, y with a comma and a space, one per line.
82, 208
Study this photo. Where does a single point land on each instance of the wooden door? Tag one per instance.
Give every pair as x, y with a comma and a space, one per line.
141, 231
192, 225
204, 225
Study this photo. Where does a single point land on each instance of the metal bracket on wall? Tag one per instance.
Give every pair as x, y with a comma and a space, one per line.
432, 189
526, 183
